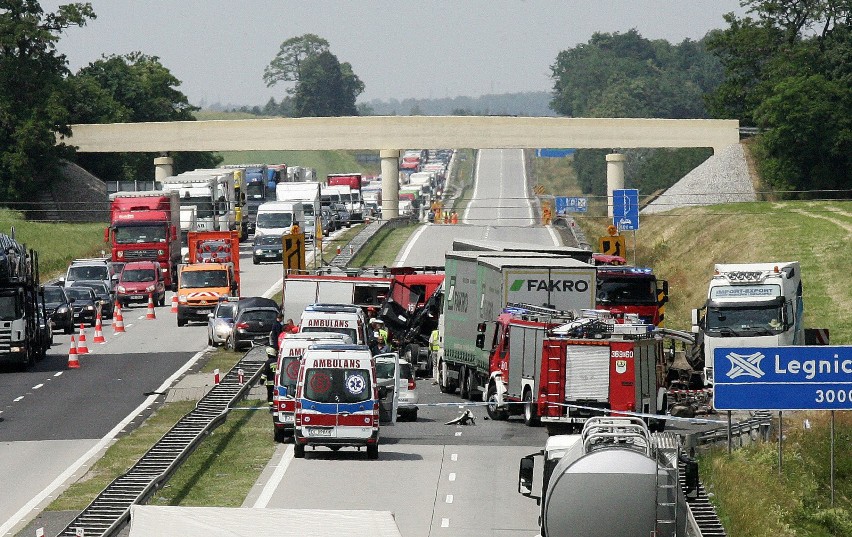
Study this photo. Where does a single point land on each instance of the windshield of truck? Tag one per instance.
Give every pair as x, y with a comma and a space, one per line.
346, 198
627, 291
134, 234
204, 278
274, 220
255, 191
355, 197
87, 272
10, 305
745, 320
338, 385
138, 275
202, 204
53, 295
309, 209
351, 332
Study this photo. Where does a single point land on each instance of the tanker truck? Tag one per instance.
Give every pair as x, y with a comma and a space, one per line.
615, 479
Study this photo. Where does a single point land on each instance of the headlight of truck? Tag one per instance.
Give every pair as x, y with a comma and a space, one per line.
182, 299
150, 289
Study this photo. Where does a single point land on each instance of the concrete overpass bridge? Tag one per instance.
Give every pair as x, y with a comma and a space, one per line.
390, 134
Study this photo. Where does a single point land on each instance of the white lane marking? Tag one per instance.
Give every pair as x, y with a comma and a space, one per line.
37, 386
458, 433
18, 399
127, 326
445, 522
454, 457
86, 457
59, 373
410, 246
554, 236
475, 188
449, 498
452, 476
526, 188
275, 480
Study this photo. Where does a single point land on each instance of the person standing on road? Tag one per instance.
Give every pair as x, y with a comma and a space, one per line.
268, 376
277, 328
381, 346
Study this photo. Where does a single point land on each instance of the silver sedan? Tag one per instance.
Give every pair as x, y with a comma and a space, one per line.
220, 323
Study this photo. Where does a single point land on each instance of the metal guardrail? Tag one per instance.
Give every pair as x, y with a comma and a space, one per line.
759, 422
111, 508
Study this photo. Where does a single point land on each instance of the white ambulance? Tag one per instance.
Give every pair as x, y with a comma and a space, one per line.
290, 352
344, 319
337, 400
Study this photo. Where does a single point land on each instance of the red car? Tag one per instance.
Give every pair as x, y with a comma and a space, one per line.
138, 280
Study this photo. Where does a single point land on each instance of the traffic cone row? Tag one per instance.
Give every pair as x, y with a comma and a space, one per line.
82, 347
117, 319
99, 330
150, 314
73, 361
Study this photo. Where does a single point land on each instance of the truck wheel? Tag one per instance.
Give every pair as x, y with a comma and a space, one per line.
443, 383
181, 321
373, 452
280, 437
495, 413
299, 451
530, 412
463, 383
470, 385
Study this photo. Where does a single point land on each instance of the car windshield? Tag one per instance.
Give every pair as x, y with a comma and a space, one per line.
353, 335
87, 272
80, 293
138, 275
53, 294
274, 220
204, 278
134, 234
225, 311
268, 240
326, 385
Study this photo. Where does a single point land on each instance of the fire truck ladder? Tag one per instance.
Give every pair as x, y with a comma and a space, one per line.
111, 508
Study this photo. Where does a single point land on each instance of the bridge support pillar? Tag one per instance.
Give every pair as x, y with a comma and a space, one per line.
390, 183
614, 177
163, 168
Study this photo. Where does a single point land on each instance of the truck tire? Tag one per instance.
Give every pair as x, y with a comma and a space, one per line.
463, 384
181, 321
530, 412
497, 414
443, 382
299, 451
470, 386
411, 354
280, 436
373, 452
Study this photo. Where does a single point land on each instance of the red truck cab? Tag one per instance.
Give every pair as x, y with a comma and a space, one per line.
144, 227
631, 290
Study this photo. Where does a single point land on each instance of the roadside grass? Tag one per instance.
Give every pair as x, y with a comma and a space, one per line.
224, 467
212, 115
120, 456
382, 249
325, 162
753, 501
462, 178
222, 359
556, 175
57, 244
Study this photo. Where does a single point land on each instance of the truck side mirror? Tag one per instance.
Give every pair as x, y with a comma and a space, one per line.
480, 341
525, 475
106, 234
695, 322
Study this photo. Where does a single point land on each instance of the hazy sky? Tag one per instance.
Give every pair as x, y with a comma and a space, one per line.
399, 48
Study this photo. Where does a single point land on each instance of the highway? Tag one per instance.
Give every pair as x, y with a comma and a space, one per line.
500, 208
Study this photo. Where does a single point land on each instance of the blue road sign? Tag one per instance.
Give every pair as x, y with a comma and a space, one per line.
783, 378
554, 153
565, 204
625, 208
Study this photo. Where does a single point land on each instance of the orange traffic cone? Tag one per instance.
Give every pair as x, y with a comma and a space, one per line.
73, 362
99, 330
117, 319
150, 313
82, 347
174, 304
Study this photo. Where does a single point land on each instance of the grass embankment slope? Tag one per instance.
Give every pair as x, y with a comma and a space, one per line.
682, 247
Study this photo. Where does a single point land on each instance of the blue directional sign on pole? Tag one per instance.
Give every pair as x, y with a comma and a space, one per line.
565, 204
783, 378
625, 209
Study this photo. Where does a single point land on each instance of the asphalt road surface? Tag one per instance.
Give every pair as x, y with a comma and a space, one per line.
500, 209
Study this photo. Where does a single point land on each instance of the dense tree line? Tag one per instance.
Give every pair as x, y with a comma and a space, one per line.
626, 75
788, 71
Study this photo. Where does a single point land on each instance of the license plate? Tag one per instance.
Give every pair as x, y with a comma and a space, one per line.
289, 418
319, 432
137, 297
203, 312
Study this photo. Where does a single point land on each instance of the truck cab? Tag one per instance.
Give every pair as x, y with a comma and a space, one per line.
199, 289
625, 290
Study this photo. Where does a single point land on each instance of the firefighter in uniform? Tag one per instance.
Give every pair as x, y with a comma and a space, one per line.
268, 376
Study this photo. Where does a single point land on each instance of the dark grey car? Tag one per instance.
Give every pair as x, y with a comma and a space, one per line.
58, 308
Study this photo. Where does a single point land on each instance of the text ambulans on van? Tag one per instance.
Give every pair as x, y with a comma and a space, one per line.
335, 318
337, 399
290, 352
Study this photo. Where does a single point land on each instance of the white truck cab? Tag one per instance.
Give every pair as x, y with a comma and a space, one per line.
278, 217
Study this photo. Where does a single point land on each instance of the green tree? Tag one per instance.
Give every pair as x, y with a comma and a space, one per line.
131, 88
32, 107
287, 64
324, 90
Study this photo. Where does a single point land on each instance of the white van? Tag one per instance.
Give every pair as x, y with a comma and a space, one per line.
336, 318
277, 217
337, 400
290, 352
